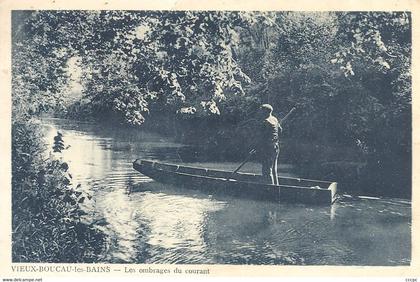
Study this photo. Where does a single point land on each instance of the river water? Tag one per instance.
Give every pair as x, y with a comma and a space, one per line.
148, 222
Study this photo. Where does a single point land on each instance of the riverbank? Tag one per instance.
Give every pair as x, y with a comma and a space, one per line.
47, 224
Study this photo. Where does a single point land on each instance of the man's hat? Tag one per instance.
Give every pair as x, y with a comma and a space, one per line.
267, 107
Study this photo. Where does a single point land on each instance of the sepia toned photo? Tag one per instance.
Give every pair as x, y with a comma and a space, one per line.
199, 138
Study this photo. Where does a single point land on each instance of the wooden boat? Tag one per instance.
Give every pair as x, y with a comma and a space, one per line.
292, 190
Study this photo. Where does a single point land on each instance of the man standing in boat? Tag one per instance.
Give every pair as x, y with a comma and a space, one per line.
268, 146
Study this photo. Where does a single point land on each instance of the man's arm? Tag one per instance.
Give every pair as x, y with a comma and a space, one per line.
280, 128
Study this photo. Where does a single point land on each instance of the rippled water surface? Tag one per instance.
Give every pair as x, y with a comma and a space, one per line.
148, 222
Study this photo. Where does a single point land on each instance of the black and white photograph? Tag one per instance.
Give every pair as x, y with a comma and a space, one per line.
211, 137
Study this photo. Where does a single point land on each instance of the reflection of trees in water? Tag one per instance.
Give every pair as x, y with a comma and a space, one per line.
259, 233
175, 225
315, 243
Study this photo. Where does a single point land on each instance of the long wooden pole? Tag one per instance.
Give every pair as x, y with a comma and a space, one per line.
288, 114
253, 151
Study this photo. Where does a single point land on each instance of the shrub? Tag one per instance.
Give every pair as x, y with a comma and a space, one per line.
47, 224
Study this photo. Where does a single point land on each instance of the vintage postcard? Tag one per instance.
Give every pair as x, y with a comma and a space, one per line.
190, 140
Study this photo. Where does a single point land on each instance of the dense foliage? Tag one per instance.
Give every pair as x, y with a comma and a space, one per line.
350, 75
47, 220
204, 73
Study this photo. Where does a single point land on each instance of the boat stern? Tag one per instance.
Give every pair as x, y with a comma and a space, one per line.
333, 189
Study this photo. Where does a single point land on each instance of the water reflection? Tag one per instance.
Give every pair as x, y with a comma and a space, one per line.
148, 222
120, 212
175, 226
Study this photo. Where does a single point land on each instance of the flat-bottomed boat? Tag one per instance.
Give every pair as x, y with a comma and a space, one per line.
247, 185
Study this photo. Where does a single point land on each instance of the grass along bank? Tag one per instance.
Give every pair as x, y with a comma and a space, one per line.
47, 223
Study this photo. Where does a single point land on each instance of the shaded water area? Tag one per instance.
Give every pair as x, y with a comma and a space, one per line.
149, 222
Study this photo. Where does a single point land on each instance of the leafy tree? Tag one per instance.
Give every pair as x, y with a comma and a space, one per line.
132, 58
379, 54
39, 72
